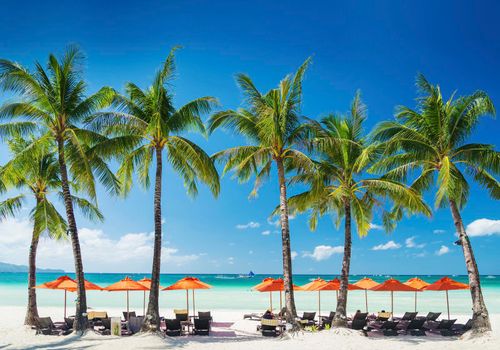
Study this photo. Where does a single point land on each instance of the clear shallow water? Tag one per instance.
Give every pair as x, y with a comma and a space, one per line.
230, 292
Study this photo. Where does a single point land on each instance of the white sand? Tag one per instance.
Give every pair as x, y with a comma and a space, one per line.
230, 331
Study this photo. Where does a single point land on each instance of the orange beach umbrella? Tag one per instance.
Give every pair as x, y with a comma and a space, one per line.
188, 283
263, 283
416, 283
366, 283
392, 285
314, 286
146, 282
335, 285
125, 285
67, 284
276, 285
446, 284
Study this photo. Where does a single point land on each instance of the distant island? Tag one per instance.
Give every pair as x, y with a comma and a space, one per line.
5, 267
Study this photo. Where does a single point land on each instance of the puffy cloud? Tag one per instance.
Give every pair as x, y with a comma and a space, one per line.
410, 243
266, 233
323, 252
376, 227
251, 224
277, 222
387, 246
439, 232
294, 254
132, 252
443, 250
483, 227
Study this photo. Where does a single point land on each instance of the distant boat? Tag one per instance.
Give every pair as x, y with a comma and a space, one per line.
249, 275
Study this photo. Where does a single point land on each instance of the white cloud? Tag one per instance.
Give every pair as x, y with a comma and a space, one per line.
277, 222
230, 260
323, 252
251, 224
483, 227
266, 233
387, 246
410, 243
439, 232
443, 250
294, 254
131, 252
376, 227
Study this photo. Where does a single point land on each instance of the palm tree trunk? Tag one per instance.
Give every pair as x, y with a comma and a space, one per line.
32, 311
480, 317
340, 319
80, 323
291, 312
152, 321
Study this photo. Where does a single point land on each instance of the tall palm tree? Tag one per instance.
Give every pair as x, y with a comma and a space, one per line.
339, 185
145, 125
271, 122
433, 141
52, 100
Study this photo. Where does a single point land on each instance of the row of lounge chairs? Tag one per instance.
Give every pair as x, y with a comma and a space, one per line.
101, 324
372, 325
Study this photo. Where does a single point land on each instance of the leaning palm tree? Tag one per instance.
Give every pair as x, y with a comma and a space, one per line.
52, 100
430, 143
340, 186
145, 125
36, 175
271, 122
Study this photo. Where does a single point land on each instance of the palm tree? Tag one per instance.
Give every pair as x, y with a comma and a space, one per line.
145, 125
52, 100
432, 139
37, 172
339, 185
271, 122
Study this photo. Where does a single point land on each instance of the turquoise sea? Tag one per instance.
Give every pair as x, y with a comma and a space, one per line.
232, 292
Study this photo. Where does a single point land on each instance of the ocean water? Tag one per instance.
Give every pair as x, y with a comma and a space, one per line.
231, 292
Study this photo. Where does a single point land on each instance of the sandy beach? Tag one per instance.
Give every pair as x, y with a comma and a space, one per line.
229, 332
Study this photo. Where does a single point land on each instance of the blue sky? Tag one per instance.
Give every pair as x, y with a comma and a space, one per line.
377, 47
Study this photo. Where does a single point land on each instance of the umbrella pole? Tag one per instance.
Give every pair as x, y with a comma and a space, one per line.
319, 305
415, 301
194, 311
144, 305
271, 301
281, 302
65, 292
127, 307
448, 304
187, 302
392, 305
337, 295
366, 299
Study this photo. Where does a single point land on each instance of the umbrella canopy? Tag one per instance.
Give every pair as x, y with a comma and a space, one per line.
335, 285
276, 285
67, 284
446, 284
392, 285
314, 286
416, 283
264, 282
366, 283
125, 285
188, 283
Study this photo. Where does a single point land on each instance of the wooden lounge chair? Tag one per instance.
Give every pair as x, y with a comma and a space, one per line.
327, 321
104, 326
173, 327
269, 328
45, 326
201, 326
308, 319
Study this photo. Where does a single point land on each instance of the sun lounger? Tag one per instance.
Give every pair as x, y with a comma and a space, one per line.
408, 316
358, 324
253, 316
45, 326
307, 319
460, 329
135, 323
181, 315
104, 326
91, 315
415, 327
201, 326
69, 322
269, 328
130, 314
432, 316
443, 328
204, 315
173, 327
327, 321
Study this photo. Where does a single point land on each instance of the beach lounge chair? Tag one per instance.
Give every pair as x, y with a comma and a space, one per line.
269, 328
201, 326
181, 315
416, 327
359, 320
432, 316
253, 316
408, 316
307, 319
69, 322
327, 321
282, 313
173, 327
359, 324
205, 315
135, 323
460, 329
130, 314
104, 327
45, 326
443, 328
383, 316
